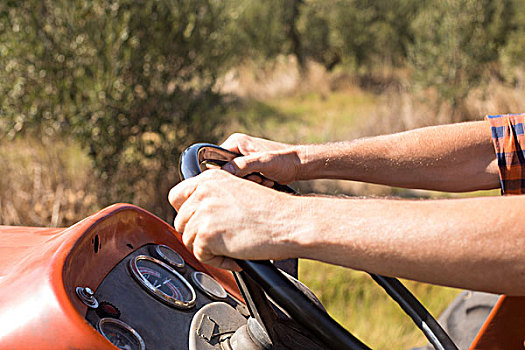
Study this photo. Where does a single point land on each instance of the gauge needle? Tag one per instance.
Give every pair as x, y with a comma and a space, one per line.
160, 284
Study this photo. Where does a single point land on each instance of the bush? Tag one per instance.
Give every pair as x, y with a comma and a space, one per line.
455, 53
364, 34
133, 81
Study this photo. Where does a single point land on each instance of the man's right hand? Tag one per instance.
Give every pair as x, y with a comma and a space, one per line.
276, 161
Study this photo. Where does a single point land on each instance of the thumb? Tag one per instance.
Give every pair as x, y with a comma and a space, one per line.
182, 192
242, 166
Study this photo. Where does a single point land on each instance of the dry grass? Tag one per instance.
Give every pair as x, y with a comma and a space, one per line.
45, 184
362, 307
377, 103
404, 109
274, 79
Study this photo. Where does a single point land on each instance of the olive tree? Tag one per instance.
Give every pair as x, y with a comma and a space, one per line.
132, 81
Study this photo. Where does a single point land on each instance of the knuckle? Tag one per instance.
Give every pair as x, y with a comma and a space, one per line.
201, 253
207, 227
199, 194
178, 224
186, 239
238, 136
241, 162
174, 194
213, 174
266, 157
171, 195
198, 253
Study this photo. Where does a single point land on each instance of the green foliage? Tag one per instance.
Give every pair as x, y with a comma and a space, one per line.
261, 28
131, 80
316, 28
511, 55
454, 52
266, 29
362, 33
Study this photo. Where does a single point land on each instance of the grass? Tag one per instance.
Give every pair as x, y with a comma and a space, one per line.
45, 184
362, 307
327, 117
303, 118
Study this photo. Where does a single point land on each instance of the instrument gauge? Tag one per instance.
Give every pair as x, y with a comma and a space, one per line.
162, 281
208, 285
120, 334
169, 255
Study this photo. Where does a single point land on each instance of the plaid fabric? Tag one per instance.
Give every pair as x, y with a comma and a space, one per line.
508, 139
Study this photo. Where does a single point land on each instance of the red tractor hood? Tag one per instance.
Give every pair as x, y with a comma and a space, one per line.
41, 267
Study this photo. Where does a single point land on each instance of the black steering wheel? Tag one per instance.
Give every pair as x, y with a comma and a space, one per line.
289, 297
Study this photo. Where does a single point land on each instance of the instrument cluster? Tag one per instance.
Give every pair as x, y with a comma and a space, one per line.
149, 299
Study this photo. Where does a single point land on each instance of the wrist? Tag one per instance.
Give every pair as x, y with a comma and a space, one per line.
315, 162
304, 162
292, 160
301, 233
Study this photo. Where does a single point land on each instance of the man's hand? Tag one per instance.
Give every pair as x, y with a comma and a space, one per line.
276, 161
220, 215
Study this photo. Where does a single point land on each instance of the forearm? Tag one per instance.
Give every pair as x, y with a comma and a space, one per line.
447, 242
456, 157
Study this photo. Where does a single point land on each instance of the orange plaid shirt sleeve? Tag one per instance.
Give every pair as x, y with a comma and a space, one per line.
509, 142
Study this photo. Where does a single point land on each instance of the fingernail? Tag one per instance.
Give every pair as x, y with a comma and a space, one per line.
229, 168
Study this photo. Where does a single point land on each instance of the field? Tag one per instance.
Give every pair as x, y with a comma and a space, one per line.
355, 301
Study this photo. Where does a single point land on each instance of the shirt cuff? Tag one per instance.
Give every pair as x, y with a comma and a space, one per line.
509, 140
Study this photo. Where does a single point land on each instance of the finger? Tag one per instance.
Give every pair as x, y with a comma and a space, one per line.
242, 166
206, 257
232, 143
185, 213
255, 178
180, 193
267, 182
188, 237
225, 263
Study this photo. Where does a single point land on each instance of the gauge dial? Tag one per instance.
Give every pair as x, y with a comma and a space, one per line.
169, 255
208, 285
120, 334
162, 281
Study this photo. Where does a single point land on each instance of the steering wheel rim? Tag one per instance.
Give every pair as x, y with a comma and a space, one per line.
294, 301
